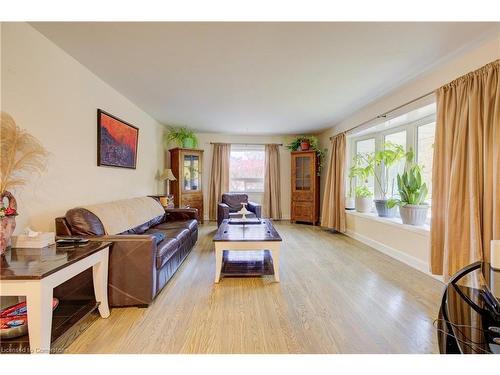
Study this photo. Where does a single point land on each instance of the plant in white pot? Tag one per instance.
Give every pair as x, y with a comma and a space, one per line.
412, 195
383, 161
363, 199
362, 168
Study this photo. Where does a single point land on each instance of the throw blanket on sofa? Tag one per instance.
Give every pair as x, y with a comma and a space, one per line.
125, 214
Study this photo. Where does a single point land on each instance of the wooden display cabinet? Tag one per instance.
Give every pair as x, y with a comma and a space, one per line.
305, 187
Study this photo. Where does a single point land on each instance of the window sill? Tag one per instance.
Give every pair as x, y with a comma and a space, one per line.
396, 222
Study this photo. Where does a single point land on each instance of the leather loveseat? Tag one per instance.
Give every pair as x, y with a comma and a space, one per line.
144, 256
232, 203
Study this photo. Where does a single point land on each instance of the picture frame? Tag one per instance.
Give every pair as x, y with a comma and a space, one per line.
117, 141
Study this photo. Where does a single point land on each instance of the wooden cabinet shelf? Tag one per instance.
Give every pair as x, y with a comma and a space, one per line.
305, 187
187, 167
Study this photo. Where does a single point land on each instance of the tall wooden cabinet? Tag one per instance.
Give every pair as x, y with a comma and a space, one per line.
187, 167
305, 187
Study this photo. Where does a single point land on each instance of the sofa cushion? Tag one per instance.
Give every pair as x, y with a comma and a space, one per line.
234, 200
123, 215
188, 224
166, 249
140, 229
82, 222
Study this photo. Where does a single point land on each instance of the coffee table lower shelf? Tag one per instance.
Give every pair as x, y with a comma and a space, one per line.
247, 263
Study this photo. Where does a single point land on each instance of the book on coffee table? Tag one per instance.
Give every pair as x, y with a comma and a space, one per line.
240, 221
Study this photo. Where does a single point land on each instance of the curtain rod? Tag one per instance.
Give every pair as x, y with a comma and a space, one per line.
383, 115
245, 144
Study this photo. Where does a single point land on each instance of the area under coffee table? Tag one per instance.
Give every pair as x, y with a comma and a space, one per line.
247, 237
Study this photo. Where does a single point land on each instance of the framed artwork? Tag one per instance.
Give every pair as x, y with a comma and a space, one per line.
116, 141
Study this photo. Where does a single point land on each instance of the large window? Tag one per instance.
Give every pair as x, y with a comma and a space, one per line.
413, 130
246, 168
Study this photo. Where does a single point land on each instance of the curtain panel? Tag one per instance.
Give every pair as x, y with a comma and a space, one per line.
219, 177
272, 183
466, 171
333, 208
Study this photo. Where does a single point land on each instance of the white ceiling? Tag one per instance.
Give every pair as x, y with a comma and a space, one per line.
259, 78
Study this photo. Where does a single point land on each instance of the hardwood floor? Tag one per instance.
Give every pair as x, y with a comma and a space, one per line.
336, 296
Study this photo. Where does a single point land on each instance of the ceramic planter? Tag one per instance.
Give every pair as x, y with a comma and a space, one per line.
349, 203
413, 214
363, 204
305, 145
8, 223
188, 143
383, 210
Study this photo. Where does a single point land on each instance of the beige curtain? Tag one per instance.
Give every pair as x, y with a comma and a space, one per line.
466, 172
219, 177
272, 183
333, 208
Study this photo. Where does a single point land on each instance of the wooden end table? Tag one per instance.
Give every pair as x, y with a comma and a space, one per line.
34, 273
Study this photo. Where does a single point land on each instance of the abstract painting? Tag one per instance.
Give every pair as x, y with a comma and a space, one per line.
116, 141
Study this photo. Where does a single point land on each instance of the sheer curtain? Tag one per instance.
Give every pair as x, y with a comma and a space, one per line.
272, 183
333, 208
219, 176
466, 172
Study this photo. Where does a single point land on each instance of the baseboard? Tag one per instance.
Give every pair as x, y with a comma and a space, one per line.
411, 261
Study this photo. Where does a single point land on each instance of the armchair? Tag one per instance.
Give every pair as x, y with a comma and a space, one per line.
232, 203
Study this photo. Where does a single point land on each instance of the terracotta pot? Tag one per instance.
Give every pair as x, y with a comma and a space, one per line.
304, 145
8, 223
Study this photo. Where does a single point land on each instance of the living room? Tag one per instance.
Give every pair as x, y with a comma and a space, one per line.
250, 187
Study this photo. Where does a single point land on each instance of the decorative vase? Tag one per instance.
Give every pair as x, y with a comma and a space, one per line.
188, 142
305, 145
413, 214
363, 204
383, 210
8, 223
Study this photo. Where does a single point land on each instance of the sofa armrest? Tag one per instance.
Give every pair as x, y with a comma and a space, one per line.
222, 212
132, 266
181, 214
255, 208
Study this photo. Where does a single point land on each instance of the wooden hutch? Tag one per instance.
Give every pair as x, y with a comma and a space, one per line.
305, 187
186, 165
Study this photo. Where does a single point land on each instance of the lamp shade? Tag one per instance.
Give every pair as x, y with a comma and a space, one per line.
167, 175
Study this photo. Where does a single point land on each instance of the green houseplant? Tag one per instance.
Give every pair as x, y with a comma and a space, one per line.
412, 195
383, 160
307, 143
362, 168
183, 137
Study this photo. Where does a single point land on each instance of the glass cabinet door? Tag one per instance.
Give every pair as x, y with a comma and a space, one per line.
303, 173
191, 172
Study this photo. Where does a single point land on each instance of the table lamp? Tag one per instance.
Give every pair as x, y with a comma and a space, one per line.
168, 176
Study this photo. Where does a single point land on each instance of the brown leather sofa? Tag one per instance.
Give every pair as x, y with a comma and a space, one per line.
232, 203
139, 265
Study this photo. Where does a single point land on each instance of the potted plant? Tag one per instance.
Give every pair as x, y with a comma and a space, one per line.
21, 156
349, 201
183, 137
362, 168
309, 143
383, 160
412, 195
363, 199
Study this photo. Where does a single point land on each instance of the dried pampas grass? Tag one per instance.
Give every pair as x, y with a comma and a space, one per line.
21, 155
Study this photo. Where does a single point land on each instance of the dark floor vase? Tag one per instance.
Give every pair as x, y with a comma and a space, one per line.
383, 210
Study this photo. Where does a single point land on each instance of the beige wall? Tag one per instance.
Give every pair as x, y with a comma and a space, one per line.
204, 143
55, 98
410, 247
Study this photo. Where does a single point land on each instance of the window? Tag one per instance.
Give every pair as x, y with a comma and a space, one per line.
366, 146
246, 168
412, 130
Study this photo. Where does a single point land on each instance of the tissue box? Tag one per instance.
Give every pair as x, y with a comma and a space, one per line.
39, 241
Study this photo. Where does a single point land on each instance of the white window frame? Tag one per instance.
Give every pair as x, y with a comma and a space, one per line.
242, 147
411, 141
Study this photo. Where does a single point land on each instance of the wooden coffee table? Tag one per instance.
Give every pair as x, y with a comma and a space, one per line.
248, 237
